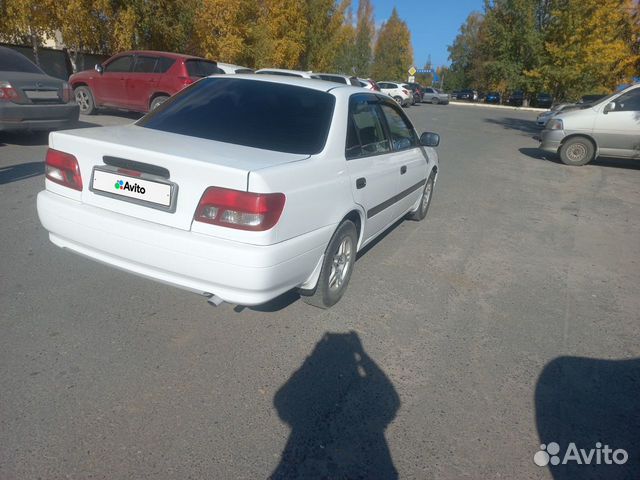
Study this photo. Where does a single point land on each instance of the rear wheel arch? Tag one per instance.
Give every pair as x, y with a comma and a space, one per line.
356, 217
156, 95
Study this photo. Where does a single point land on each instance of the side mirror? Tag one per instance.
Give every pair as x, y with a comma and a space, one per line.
429, 139
99, 68
609, 107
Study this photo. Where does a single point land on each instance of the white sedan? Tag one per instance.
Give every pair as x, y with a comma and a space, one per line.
241, 187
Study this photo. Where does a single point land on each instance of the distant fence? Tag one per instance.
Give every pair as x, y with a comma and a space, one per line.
57, 63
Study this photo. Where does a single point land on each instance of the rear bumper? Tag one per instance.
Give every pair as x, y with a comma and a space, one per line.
235, 272
550, 140
37, 117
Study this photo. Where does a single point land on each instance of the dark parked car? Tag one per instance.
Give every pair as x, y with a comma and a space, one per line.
418, 91
138, 80
493, 97
543, 100
470, 95
30, 99
516, 99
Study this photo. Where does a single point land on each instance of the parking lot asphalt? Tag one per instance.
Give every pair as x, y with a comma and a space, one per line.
507, 319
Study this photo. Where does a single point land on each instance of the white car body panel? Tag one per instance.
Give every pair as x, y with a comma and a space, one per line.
237, 266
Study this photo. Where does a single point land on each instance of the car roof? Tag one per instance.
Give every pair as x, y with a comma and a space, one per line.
231, 65
284, 70
162, 54
334, 74
313, 84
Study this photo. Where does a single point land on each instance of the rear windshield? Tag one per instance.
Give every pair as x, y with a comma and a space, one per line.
202, 68
11, 61
270, 116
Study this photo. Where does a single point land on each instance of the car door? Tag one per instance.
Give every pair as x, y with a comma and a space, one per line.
617, 131
409, 158
111, 87
141, 83
371, 164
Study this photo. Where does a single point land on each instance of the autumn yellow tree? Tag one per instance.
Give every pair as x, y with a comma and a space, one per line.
281, 33
587, 47
393, 54
344, 61
365, 33
28, 20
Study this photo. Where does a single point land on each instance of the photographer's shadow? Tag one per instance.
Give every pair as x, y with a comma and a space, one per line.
338, 405
591, 403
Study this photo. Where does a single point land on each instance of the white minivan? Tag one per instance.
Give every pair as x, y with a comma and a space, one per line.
610, 127
241, 187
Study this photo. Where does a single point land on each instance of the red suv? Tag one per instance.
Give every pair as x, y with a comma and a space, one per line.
138, 80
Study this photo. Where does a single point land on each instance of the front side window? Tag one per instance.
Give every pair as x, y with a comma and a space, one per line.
253, 113
402, 133
365, 132
120, 64
628, 102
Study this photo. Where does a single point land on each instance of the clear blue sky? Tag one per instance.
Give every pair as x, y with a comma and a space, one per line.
433, 24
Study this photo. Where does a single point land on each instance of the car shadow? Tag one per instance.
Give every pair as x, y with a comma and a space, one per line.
20, 171
338, 405
113, 112
611, 162
28, 138
591, 403
519, 124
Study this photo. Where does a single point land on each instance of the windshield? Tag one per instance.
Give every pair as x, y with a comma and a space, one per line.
11, 61
253, 113
202, 68
595, 101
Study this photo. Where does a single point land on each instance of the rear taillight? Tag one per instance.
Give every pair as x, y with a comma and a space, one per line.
186, 81
242, 210
67, 93
406, 92
7, 92
62, 168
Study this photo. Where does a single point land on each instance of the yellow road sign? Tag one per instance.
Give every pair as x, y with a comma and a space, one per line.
412, 71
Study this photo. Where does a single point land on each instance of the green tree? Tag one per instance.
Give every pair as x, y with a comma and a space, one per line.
344, 61
393, 54
325, 19
365, 31
465, 52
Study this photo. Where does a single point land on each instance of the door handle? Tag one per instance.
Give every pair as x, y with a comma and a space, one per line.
361, 183
403, 169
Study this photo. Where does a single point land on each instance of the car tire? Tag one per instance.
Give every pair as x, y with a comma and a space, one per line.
435, 101
157, 101
425, 200
84, 99
398, 99
577, 151
337, 267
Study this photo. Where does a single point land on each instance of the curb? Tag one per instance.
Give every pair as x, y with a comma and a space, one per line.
504, 107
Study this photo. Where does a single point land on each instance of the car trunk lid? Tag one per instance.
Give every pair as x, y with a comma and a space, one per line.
174, 170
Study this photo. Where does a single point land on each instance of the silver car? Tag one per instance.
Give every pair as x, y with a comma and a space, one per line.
435, 96
610, 127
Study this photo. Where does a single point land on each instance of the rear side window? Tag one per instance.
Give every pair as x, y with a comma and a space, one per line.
365, 131
164, 64
202, 68
120, 64
11, 61
354, 82
144, 64
253, 113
